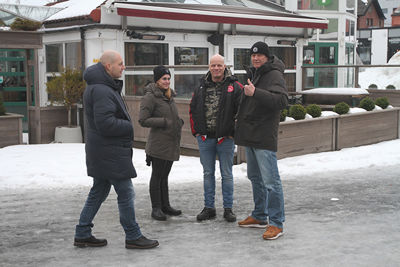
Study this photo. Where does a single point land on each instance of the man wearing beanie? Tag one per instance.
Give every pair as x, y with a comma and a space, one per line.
257, 124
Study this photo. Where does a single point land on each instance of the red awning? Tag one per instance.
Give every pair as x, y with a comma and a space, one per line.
218, 14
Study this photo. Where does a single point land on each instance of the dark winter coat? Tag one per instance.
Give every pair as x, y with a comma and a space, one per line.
258, 117
227, 107
109, 130
161, 115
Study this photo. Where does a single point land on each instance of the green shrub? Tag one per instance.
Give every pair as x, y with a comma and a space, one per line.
367, 104
2, 108
25, 25
314, 110
297, 112
341, 108
383, 102
390, 87
283, 114
372, 86
66, 89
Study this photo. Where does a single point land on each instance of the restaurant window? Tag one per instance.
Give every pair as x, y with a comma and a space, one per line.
54, 57
186, 83
135, 84
73, 55
191, 55
137, 54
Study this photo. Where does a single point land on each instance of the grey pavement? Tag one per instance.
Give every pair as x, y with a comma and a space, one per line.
361, 228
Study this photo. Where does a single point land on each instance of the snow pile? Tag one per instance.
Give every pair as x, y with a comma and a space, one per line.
382, 77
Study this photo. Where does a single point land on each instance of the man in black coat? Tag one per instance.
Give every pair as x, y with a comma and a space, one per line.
257, 125
212, 117
109, 138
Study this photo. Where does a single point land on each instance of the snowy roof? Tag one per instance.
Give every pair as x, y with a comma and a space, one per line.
75, 8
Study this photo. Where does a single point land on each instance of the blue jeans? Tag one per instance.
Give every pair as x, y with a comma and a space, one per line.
262, 171
209, 148
98, 193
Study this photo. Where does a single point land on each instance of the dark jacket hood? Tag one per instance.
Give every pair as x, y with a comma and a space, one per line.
96, 74
273, 63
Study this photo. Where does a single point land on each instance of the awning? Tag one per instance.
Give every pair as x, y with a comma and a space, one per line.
218, 14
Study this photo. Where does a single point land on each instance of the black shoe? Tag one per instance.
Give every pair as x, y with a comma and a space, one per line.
171, 211
89, 242
229, 215
206, 214
158, 214
141, 243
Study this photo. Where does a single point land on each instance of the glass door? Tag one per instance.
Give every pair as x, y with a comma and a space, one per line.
320, 54
13, 82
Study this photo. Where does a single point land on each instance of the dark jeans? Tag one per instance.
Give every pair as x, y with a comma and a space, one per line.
159, 182
98, 193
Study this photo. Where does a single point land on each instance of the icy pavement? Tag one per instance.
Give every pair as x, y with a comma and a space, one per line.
330, 221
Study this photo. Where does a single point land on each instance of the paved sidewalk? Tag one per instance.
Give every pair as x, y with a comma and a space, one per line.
361, 228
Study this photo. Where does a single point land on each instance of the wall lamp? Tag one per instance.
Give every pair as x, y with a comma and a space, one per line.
144, 36
286, 42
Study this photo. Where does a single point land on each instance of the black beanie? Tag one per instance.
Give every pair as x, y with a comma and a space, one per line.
160, 71
260, 48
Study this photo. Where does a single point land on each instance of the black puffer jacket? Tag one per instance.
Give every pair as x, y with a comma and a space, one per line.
161, 115
227, 107
109, 131
258, 117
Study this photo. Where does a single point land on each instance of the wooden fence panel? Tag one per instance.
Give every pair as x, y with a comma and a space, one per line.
367, 128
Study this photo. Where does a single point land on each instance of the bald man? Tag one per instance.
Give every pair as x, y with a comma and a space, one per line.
108, 146
212, 118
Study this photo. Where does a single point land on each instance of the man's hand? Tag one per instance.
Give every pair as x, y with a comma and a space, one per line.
249, 88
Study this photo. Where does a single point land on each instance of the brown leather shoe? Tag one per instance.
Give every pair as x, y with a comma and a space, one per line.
272, 233
250, 222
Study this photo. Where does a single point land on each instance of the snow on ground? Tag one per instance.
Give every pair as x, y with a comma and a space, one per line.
63, 165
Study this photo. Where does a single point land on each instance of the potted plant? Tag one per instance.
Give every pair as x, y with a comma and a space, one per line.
67, 89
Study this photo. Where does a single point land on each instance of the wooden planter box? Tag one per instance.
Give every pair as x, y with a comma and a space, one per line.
334, 133
44, 120
10, 129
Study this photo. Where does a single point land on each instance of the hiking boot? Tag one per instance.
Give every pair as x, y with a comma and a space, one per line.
272, 233
229, 215
171, 211
253, 223
89, 242
157, 214
206, 214
141, 243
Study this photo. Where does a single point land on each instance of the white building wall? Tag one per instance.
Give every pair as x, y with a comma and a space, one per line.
379, 46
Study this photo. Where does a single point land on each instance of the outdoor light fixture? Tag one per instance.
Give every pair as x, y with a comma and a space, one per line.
286, 42
144, 36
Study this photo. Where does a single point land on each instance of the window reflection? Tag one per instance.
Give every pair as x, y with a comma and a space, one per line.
146, 54
135, 84
186, 83
54, 58
191, 56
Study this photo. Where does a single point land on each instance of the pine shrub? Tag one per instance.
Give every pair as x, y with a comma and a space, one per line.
367, 104
390, 87
25, 25
383, 102
372, 86
341, 108
284, 113
297, 112
2, 108
314, 110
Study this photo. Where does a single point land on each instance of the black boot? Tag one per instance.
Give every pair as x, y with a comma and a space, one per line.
89, 242
171, 211
158, 214
229, 215
206, 214
141, 242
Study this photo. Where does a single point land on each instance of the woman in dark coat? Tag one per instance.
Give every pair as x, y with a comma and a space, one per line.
158, 112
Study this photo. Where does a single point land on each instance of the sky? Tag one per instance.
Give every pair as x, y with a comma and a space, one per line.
63, 165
